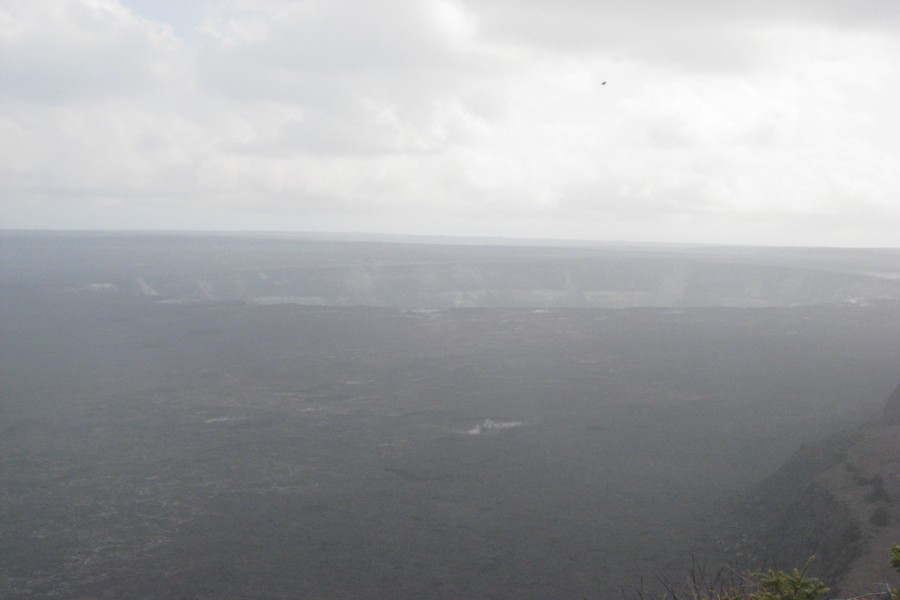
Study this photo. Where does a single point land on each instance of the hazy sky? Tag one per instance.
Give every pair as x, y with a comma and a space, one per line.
764, 121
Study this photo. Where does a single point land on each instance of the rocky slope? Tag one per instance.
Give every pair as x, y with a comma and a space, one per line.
837, 499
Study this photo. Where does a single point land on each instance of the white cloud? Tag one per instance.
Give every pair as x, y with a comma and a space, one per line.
61, 52
445, 116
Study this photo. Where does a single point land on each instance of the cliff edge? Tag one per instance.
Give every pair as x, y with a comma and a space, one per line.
837, 499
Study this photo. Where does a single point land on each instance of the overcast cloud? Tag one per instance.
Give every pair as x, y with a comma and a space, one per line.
769, 122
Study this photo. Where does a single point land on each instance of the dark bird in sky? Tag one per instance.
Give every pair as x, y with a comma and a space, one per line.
604, 83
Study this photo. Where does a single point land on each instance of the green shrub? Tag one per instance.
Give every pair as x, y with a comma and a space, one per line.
895, 562
771, 585
778, 585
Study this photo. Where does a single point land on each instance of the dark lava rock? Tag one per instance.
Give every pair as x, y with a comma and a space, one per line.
892, 409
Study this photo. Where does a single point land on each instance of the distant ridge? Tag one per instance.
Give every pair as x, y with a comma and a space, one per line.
309, 269
374, 237
443, 239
